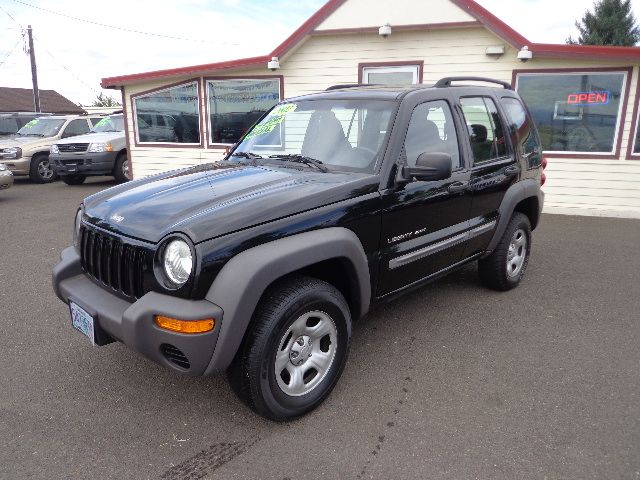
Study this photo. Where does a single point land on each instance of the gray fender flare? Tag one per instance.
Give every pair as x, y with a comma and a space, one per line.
242, 281
517, 192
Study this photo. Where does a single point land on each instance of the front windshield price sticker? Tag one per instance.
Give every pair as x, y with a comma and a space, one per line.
283, 109
275, 118
31, 124
104, 121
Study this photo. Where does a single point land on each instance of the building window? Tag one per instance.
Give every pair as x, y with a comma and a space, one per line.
486, 133
236, 104
170, 115
575, 112
391, 74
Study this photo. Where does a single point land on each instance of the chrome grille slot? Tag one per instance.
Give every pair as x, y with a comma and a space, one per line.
73, 147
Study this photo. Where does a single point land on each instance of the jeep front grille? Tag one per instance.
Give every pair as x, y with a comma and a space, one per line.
73, 147
116, 264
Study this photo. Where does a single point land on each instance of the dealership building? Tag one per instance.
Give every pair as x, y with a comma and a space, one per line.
584, 98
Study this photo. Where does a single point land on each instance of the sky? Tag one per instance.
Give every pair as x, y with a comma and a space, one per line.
73, 55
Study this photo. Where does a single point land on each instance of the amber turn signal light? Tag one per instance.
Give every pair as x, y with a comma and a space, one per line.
185, 326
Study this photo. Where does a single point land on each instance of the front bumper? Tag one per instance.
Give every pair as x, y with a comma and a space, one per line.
83, 163
133, 323
18, 167
6, 179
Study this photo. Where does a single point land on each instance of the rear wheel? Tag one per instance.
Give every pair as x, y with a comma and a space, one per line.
505, 267
295, 349
40, 170
121, 168
73, 179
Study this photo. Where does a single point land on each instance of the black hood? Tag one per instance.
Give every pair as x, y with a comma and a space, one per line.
211, 200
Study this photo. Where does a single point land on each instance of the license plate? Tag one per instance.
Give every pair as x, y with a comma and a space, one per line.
82, 321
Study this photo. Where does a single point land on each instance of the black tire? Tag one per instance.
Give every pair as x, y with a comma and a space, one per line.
73, 179
253, 372
498, 271
40, 170
122, 164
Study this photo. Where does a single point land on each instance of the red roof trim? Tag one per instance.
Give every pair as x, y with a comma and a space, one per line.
481, 14
111, 82
492, 22
556, 50
307, 27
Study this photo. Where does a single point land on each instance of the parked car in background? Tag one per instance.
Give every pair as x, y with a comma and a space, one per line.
6, 177
27, 153
101, 152
156, 127
11, 122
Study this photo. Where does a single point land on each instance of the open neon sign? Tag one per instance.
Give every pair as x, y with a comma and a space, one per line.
583, 99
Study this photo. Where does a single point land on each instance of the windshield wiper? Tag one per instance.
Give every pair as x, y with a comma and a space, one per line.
296, 157
249, 155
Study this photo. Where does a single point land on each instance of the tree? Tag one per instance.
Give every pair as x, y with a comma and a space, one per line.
611, 23
103, 100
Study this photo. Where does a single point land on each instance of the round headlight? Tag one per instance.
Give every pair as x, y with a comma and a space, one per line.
76, 228
178, 261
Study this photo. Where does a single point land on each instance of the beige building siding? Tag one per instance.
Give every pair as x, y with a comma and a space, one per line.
327, 59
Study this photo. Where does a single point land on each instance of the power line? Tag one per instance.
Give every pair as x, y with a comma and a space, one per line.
10, 52
58, 62
124, 29
11, 17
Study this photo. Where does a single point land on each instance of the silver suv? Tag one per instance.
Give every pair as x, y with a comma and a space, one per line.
101, 152
27, 152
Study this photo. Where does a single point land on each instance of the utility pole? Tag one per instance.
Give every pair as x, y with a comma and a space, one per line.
34, 72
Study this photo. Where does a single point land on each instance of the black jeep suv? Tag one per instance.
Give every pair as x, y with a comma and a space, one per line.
333, 202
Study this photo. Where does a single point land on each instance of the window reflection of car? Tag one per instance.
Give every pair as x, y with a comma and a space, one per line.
575, 128
230, 127
187, 128
156, 127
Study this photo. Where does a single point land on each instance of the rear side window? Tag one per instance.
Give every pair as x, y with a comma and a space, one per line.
527, 140
486, 132
431, 129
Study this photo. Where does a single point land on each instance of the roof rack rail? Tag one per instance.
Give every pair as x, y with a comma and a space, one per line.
446, 81
348, 85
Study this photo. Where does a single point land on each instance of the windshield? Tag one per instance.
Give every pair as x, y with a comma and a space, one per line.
341, 134
113, 123
42, 127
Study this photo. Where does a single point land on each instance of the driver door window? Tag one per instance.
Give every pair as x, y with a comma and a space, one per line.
76, 127
431, 129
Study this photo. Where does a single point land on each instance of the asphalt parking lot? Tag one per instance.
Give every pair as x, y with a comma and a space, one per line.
452, 381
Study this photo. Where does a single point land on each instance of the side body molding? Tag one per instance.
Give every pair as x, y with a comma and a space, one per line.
517, 192
242, 281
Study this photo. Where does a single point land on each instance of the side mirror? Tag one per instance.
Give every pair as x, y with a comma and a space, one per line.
430, 166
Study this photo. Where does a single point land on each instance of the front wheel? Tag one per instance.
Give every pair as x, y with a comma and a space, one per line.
121, 168
295, 349
40, 170
505, 267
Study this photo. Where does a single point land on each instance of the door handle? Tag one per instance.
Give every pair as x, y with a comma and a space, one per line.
512, 171
457, 187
